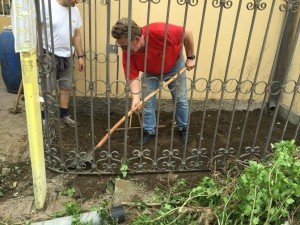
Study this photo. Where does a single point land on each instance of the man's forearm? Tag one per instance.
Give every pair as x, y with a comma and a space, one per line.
189, 43
135, 88
77, 42
77, 46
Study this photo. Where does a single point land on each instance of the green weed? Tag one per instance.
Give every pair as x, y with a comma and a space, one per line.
124, 169
262, 193
69, 192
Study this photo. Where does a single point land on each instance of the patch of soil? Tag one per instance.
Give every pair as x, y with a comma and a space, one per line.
238, 133
90, 190
217, 131
16, 180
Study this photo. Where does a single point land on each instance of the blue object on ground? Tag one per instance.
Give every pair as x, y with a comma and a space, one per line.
10, 61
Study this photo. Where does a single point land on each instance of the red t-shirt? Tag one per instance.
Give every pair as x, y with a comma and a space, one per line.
156, 35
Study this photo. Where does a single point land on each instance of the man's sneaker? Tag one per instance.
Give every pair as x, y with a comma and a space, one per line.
67, 120
182, 134
147, 136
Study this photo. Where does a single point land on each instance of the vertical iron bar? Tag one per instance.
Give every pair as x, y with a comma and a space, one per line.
96, 49
242, 71
255, 78
44, 80
161, 80
118, 57
84, 43
73, 85
40, 53
91, 87
298, 126
127, 77
200, 34
195, 72
291, 107
289, 62
143, 85
264, 104
228, 63
108, 88
211, 70
183, 163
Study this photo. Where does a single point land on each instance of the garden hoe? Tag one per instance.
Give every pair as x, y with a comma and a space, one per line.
89, 156
113, 129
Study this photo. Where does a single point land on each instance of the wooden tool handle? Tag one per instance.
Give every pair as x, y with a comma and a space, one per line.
113, 129
15, 109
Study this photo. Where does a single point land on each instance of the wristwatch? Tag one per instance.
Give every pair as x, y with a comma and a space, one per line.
191, 57
80, 56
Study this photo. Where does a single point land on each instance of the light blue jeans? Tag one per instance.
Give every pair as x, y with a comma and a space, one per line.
178, 86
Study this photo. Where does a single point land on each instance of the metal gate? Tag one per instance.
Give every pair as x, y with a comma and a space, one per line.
247, 66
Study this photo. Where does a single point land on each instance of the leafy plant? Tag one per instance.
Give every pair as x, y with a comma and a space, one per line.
262, 193
266, 192
69, 192
72, 208
104, 212
17, 170
124, 169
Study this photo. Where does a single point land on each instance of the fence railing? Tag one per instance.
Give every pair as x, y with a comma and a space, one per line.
229, 113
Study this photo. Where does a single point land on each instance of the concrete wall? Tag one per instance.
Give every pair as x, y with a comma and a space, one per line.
252, 71
158, 13
290, 98
96, 29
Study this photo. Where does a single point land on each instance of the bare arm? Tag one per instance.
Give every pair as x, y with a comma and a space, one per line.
77, 45
189, 49
135, 94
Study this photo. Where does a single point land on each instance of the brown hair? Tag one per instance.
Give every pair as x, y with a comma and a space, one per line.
120, 29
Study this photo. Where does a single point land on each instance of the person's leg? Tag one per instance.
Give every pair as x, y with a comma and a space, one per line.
178, 91
47, 85
149, 119
64, 96
64, 79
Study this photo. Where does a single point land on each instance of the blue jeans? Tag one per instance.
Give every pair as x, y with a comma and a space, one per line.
178, 86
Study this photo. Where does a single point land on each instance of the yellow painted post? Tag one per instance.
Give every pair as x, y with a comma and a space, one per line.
34, 125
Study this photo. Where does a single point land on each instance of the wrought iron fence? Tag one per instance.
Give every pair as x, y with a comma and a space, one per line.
230, 117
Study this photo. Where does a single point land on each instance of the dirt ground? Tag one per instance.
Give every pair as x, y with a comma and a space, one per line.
255, 134
90, 192
16, 182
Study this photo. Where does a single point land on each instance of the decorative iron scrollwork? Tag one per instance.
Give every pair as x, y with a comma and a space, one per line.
103, 2
257, 4
190, 2
153, 1
144, 160
251, 153
84, 1
45, 64
291, 6
224, 3
197, 158
290, 87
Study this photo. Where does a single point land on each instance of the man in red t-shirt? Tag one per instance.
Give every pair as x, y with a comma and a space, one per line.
157, 50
